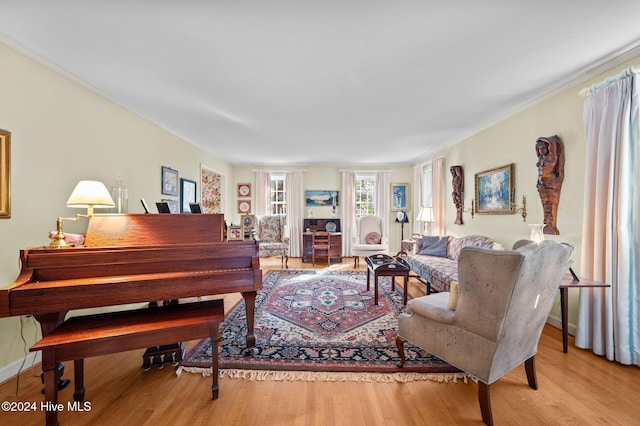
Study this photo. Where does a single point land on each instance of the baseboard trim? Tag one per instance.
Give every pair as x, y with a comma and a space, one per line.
10, 371
557, 322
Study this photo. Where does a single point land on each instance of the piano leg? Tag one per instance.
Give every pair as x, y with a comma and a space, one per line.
250, 306
49, 370
48, 322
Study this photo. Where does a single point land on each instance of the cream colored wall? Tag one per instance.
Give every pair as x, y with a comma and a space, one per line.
62, 133
330, 178
513, 141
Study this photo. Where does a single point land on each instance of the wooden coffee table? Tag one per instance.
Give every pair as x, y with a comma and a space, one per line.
383, 265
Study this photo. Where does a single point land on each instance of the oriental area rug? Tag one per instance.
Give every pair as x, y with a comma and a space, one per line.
319, 325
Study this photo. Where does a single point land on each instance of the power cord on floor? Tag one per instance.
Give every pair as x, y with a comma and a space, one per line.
24, 342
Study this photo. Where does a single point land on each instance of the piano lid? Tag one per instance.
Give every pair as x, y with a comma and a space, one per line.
114, 230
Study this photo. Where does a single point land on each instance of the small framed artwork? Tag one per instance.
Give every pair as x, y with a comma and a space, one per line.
244, 206
5, 174
495, 191
187, 195
244, 190
399, 192
173, 205
234, 232
248, 221
169, 181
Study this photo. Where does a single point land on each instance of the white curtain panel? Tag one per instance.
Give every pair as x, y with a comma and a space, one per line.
263, 192
383, 199
609, 319
417, 197
295, 211
348, 209
438, 227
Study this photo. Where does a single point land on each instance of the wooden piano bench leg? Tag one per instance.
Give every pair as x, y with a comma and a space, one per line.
214, 361
78, 374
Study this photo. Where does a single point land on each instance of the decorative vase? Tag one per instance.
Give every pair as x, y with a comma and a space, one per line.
536, 232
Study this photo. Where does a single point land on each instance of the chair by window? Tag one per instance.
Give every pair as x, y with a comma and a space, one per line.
503, 301
272, 238
368, 239
320, 245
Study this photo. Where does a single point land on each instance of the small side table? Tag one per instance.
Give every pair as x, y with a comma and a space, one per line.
567, 283
383, 265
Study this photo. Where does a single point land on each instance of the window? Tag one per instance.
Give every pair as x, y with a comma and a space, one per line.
365, 194
278, 194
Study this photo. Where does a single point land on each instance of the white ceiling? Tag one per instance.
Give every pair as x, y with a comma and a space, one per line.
354, 82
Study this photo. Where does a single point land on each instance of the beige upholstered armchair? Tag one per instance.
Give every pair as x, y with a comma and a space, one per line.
504, 299
272, 238
368, 239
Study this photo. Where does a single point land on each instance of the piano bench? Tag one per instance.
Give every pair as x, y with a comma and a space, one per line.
93, 335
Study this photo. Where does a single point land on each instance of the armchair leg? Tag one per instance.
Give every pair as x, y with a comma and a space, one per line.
485, 403
286, 261
400, 345
529, 367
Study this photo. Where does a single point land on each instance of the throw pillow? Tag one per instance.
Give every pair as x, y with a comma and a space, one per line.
453, 296
373, 238
434, 246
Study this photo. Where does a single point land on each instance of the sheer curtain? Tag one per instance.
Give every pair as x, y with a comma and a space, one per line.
263, 192
608, 319
295, 211
417, 197
438, 227
383, 199
348, 210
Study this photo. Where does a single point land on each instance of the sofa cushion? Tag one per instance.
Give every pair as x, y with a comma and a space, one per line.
373, 238
434, 246
457, 244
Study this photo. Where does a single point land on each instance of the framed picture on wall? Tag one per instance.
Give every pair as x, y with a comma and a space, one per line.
495, 190
244, 206
399, 194
187, 195
322, 198
169, 181
5, 174
244, 190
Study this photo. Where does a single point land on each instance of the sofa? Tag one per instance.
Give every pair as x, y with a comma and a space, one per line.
435, 259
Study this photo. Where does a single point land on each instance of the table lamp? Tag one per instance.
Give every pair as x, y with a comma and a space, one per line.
87, 194
425, 215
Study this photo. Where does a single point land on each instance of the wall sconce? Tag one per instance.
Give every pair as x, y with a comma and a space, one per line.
425, 215
522, 210
472, 210
87, 194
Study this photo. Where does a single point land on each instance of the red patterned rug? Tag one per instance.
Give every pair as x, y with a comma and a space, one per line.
319, 325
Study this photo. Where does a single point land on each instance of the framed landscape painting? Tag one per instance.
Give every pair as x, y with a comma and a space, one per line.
495, 190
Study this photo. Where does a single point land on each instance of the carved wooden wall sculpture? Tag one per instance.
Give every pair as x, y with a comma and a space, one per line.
458, 191
550, 152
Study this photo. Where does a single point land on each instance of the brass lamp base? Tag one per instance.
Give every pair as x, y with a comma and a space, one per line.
58, 240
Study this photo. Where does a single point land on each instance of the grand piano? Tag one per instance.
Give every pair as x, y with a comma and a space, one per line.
135, 258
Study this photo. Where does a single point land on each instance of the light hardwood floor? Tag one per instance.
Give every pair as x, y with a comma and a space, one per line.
575, 388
